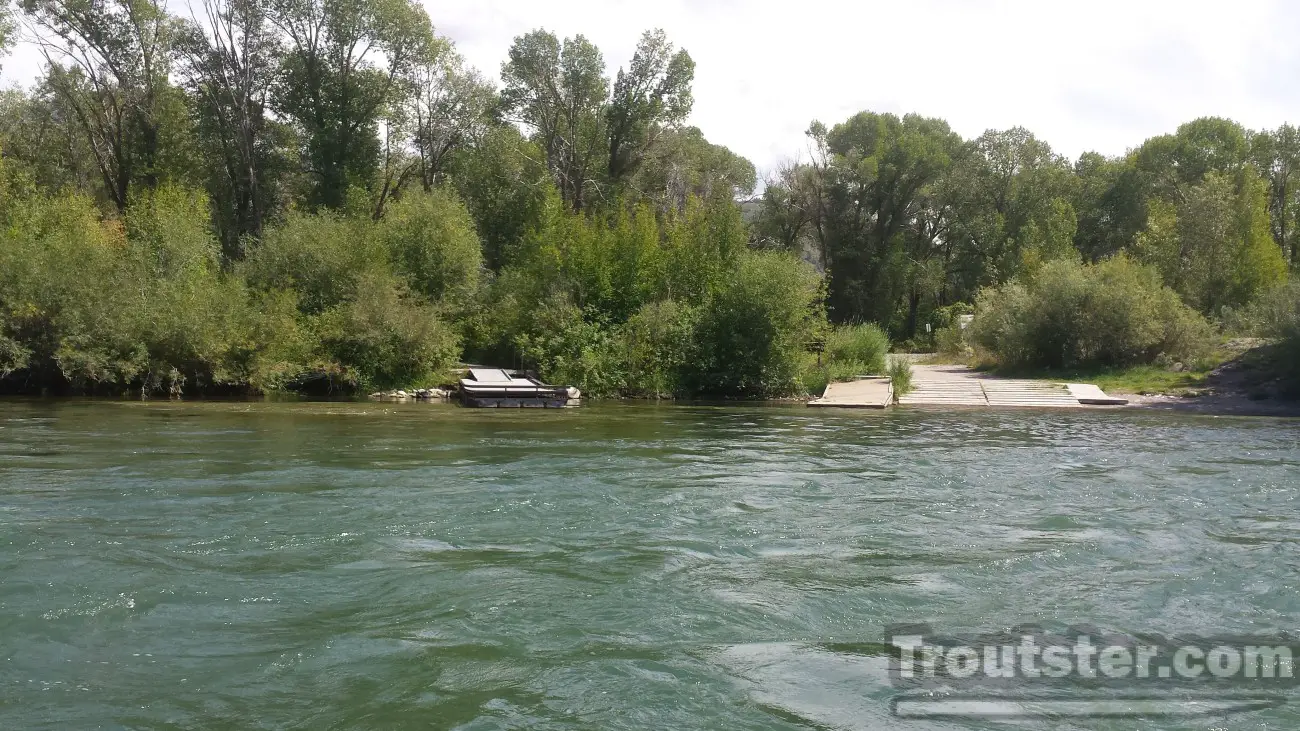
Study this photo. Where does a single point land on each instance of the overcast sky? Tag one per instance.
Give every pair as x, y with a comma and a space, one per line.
1101, 75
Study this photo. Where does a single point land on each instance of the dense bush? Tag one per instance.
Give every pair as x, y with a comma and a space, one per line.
848, 351
900, 377
321, 257
370, 296
864, 345
98, 305
1285, 326
656, 347
142, 303
633, 305
752, 334
431, 240
564, 347
385, 337
1067, 315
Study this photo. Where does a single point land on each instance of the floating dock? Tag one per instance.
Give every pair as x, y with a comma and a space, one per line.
494, 388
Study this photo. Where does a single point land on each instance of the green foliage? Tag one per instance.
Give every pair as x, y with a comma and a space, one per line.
1067, 315
900, 377
503, 182
96, 305
865, 345
752, 333
1214, 248
1276, 316
571, 223
683, 164
951, 340
322, 257
385, 338
595, 135
629, 305
344, 63
849, 351
657, 347
432, 242
564, 347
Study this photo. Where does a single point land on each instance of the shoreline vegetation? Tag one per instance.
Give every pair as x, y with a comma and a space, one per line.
260, 201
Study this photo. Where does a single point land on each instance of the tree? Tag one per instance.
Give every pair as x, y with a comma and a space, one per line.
109, 60
683, 163
1013, 189
450, 106
1170, 164
344, 62
1277, 155
228, 66
444, 106
559, 92
594, 142
504, 181
41, 140
654, 94
1226, 254
878, 169
1108, 200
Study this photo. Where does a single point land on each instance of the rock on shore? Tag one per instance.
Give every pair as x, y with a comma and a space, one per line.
421, 394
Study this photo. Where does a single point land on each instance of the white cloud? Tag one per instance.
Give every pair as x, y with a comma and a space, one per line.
1101, 75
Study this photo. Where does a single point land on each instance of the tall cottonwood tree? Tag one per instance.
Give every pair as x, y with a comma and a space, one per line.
344, 61
559, 90
450, 106
1277, 155
652, 95
879, 169
110, 61
683, 164
594, 140
228, 57
442, 106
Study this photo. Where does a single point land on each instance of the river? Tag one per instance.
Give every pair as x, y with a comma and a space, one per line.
385, 566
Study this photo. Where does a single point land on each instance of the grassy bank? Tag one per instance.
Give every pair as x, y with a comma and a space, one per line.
1141, 379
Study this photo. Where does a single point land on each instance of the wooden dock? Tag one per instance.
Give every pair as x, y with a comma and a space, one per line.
954, 385
864, 393
1090, 395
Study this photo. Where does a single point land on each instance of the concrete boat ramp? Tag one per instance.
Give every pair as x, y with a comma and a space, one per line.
951, 385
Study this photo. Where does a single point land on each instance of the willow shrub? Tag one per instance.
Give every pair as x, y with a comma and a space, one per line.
66, 295
656, 347
322, 258
109, 305
864, 345
371, 298
431, 241
1071, 315
850, 351
752, 334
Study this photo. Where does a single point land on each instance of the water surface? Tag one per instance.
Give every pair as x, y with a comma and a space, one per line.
382, 566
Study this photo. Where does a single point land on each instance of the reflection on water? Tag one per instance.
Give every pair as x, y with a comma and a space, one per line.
368, 565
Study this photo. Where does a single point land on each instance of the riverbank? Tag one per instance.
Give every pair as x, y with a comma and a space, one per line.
1241, 382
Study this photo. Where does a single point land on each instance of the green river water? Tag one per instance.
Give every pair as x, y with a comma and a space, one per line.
380, 566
